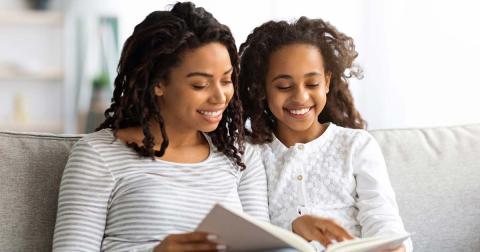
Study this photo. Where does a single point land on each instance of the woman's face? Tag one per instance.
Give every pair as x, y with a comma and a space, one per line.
297, 87
198, 90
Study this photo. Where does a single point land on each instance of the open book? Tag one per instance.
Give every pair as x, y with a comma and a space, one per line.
241, 232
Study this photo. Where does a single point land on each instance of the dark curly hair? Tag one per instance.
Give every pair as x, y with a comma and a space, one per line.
338, 51
147, 57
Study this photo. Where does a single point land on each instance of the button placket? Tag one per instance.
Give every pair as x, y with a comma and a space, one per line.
300, 178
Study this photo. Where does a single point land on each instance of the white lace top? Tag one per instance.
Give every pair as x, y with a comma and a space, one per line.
340, 175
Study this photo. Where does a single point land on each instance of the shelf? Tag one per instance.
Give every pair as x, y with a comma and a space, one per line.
51, 127
47, 75
30, 17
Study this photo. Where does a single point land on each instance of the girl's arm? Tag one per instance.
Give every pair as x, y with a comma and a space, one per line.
378, 211
83, 199
252, 188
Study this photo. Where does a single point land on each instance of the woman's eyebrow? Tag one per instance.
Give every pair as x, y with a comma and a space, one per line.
203, 74
228, 71
207, 75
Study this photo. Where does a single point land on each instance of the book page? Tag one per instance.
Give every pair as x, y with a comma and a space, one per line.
241, 232
369, 244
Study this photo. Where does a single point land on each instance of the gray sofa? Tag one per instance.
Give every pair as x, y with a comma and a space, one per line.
434, 171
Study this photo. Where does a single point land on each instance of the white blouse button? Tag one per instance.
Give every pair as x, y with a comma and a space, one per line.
301, 147
299, 177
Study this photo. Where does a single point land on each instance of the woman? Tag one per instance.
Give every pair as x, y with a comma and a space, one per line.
171, 145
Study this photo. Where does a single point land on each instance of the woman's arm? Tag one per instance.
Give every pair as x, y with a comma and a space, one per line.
252, 187
378, 211
83, 199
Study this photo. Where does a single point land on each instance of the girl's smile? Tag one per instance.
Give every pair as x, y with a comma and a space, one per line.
300, 113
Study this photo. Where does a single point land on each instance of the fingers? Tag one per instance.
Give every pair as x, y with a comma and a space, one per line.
334, 230
192, 237
321, 237
195, 241
202, 247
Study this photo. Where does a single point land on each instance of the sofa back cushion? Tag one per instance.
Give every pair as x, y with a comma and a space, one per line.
435, 173
31, 167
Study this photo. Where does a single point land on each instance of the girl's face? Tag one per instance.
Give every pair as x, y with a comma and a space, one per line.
296, 88
198, 90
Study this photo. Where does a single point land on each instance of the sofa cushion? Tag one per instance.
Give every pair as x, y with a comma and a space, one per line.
435, 173
31, 167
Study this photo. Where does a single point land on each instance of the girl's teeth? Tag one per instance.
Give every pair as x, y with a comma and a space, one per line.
299, 111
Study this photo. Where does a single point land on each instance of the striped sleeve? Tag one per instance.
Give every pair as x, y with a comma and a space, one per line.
253, 185
83, 199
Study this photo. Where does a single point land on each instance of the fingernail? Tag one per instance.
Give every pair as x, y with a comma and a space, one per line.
221, 247
212, 237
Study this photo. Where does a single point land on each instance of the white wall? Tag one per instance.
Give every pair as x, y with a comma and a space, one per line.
420, 60
419, 56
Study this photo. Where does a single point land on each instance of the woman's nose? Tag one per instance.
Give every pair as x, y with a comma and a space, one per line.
218, 94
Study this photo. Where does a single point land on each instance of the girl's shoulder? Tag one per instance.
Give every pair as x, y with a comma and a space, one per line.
350, 135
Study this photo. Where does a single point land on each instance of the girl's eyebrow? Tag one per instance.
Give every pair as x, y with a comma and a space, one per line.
203, 74
282, 76
288, 77
311, 74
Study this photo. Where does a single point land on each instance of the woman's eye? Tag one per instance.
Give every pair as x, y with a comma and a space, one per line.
227, 82
199, 86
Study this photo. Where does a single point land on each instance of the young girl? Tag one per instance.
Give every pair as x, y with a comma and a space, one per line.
327, 178
150, 174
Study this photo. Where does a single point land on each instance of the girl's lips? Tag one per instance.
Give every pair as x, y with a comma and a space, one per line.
299, 113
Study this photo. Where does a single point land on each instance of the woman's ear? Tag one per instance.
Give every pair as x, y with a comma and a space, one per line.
159, 88
328, 76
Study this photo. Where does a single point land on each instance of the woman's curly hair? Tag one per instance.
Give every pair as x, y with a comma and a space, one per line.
148, 55
338, 51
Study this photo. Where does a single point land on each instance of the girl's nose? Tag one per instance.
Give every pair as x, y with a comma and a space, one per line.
300, 94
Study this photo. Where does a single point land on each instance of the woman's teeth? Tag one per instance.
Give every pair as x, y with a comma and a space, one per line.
210, 113
299, 111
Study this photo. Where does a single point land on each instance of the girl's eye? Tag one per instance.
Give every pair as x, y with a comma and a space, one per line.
284, 87
313, 85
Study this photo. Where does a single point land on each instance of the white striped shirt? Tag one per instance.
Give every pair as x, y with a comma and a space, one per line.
113, 200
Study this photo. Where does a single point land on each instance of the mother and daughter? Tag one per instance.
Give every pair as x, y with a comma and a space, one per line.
174, 140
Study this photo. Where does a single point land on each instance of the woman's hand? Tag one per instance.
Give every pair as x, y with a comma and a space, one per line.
321, 229
195, 241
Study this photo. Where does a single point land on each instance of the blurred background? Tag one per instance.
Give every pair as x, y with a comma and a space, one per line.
420, 57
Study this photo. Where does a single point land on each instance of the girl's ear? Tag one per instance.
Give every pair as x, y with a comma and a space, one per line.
328, 76
159, 88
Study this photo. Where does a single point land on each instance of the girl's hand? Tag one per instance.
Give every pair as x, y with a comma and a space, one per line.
400, 248
195, 241
321, 229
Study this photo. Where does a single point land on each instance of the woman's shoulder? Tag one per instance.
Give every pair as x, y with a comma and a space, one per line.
101, 137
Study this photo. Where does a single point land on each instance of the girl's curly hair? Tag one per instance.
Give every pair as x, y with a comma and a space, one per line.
338, 51
148, 55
